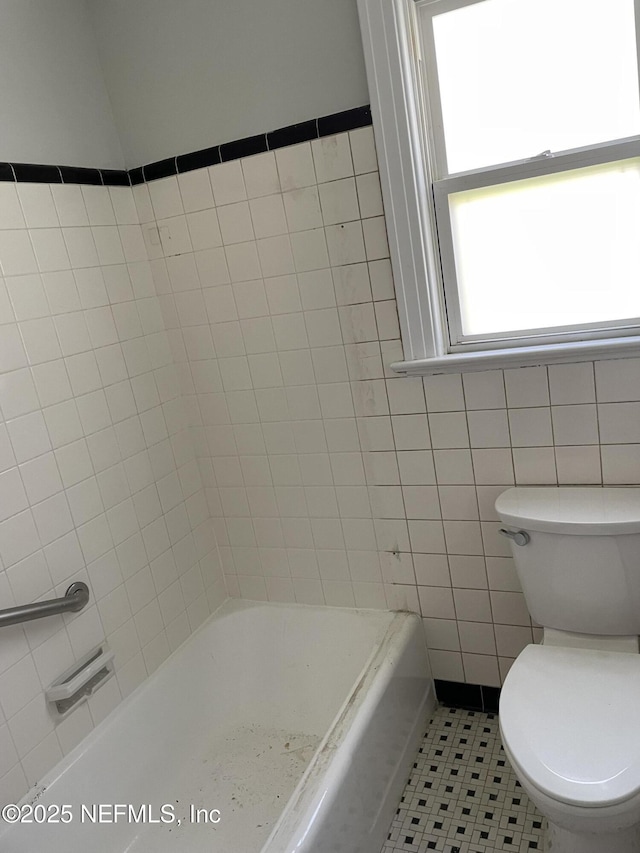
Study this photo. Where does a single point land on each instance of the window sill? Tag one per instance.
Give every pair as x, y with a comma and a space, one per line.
521, 356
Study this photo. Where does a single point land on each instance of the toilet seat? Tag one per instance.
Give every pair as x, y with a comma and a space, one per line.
570, 721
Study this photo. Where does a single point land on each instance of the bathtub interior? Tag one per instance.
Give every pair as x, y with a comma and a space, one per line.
230, 721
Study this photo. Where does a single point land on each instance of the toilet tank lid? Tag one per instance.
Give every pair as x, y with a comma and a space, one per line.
587, 512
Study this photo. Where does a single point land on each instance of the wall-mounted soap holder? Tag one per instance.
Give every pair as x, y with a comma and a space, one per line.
77, 683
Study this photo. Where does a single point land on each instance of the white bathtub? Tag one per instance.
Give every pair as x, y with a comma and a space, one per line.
299, 724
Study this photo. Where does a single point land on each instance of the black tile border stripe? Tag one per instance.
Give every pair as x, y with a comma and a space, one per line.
472, 697
282, 137
79, 175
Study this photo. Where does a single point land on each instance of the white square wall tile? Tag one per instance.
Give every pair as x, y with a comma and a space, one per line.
165, 197
339, 201
346, 243
352, 284
29, 436
302, 208
268, 216
98, 204
276, 258
484, 390
489, 428
441, 634
534, 466
527, 387
37, 204
295, 166
444, 393
309, 250
195, 190
477, 637
12, 351
375, 238
243, 263
227, 182
235, 223
618, 380
406, 396
493, 466
16, 253
575, 424
11, 215
260, 175
620, 464
70, 205
436, 602
363, 150
448, 430
472, 605
571, 383
531, 427
446, 665
411, 432
578, 465
618, 423
332, 157
204, 229
369, 195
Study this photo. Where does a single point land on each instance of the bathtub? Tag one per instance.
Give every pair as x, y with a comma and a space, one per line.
273, 729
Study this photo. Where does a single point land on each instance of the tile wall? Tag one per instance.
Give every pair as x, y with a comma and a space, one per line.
329, 478
204, 358
98, 476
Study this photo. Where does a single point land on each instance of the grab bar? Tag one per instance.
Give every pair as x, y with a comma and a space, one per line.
73, 600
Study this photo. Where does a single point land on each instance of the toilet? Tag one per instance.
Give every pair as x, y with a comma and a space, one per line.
570, 707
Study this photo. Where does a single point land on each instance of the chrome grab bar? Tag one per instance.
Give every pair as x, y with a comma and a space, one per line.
518, 537
73, 600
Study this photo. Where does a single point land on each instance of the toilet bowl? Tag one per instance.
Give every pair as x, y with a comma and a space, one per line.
570, 708
570, 726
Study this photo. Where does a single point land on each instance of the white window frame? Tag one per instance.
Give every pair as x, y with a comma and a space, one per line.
405, 146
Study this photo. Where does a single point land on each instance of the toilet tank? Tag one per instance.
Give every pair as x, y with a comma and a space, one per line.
580, 569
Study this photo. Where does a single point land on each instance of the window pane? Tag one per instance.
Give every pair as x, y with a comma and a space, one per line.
518, 77
549, 251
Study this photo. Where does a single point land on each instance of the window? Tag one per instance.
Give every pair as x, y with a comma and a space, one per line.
509, 138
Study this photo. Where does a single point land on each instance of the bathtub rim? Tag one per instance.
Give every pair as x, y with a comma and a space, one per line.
306, 800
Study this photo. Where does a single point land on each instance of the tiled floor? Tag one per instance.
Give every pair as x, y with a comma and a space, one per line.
462, 796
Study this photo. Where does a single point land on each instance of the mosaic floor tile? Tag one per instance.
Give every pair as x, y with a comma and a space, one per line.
463, 796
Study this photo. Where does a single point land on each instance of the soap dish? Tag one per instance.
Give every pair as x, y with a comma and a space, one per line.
77, 683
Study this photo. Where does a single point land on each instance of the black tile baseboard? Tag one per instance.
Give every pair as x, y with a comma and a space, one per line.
274, 139
473, 697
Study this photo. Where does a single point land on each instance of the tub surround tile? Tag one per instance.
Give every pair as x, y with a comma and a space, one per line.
99, 478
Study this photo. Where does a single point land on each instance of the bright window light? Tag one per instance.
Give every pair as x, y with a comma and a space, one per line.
550, 251
518, 77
